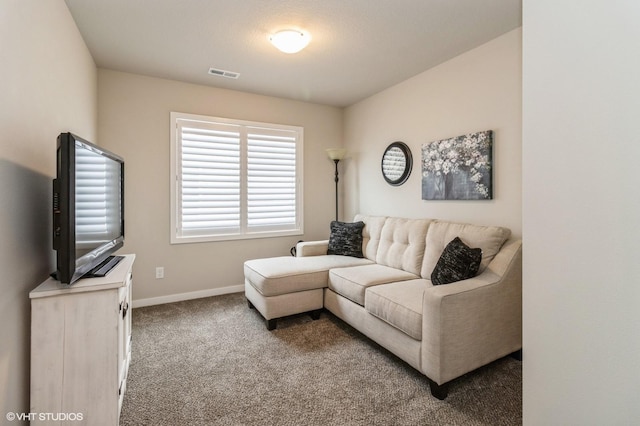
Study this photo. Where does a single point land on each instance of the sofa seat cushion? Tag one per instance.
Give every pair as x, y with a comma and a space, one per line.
282, 275
399, 304
351, 282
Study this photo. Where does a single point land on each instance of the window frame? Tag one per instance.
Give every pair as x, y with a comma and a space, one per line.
244, 232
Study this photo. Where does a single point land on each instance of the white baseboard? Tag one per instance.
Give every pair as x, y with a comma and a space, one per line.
187, 296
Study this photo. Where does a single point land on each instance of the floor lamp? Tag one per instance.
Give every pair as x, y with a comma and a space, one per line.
336, 154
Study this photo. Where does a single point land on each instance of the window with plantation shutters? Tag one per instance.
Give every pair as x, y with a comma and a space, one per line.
234, 179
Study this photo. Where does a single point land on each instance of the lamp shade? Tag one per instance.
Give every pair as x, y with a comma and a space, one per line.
290, 41
336, 153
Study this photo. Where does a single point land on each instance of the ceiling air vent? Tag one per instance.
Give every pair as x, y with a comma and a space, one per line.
223, 73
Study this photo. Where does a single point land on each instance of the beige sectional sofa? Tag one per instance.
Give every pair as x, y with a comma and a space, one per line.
443, 331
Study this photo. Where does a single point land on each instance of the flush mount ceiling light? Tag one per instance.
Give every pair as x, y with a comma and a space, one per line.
290, 41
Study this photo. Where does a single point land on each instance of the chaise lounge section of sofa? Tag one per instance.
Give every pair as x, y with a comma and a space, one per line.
443, 331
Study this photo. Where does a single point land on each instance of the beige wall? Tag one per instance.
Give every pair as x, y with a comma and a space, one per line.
48, 85
581, 145
134, 123
478, 90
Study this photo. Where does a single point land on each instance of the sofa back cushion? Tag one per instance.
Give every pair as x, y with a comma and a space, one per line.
402, 244
370, 234
488, 238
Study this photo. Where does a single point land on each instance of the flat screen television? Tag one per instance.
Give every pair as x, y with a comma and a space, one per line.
88, 209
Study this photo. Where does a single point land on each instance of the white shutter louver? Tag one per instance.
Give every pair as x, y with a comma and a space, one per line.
210, 183
235, 179
271, 178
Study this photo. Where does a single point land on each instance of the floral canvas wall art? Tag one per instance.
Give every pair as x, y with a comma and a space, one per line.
458, 168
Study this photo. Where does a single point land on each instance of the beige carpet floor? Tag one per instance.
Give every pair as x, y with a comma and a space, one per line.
212, 362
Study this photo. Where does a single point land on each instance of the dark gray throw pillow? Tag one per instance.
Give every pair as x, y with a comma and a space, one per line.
457, 262
346, 239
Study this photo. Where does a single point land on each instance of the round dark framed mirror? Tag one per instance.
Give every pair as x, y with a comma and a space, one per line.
396, 163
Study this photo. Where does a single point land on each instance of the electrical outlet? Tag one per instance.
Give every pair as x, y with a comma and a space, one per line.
160, 272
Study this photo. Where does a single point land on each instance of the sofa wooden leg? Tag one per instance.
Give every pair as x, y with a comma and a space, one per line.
315, 315
516, 355
439, 391
250, 305
271, 324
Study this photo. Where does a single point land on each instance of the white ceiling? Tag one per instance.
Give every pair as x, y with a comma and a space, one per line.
358, 47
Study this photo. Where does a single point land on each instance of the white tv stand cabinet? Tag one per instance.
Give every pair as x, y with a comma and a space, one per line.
81, 347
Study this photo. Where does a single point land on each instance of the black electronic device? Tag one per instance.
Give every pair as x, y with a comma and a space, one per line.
88, 208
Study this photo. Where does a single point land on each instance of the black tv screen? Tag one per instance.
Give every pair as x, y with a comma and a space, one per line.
88, 209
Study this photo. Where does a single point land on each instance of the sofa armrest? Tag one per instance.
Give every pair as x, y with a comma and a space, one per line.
473, 322
312, 248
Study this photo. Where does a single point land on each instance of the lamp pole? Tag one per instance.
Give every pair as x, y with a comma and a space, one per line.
336, 161
336, 154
